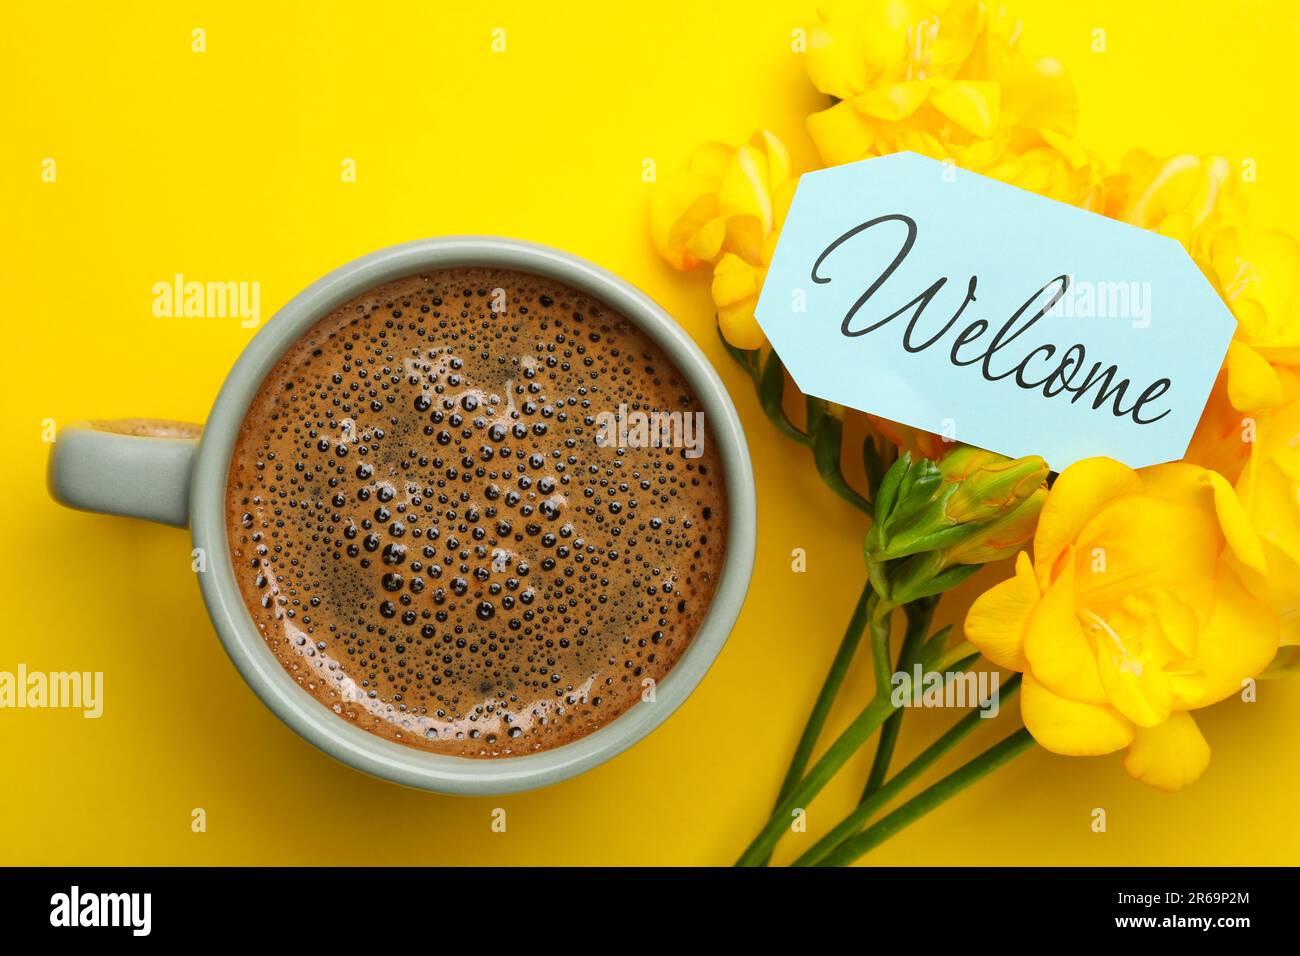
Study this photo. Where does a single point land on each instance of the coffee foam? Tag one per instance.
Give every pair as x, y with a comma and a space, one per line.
431, 541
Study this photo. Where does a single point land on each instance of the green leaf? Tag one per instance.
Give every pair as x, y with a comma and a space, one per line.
771, 388
943, 581
748, 359
815, 409
887, 493
873, 463
827, 438
934, 645
919, 539
915, 491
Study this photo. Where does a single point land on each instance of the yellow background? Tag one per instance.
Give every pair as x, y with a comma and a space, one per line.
226, 165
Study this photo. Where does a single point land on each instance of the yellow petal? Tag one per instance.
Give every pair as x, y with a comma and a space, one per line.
707, 241
997, 620
835, 61
744, 189
679, 207
736, 285
1237, 642
1280, 355
1284, 592
951, 39
1148, 542
778, 157
894, 102
745, 236
1179, 481
1261, 265
919, 141
1178, 184
1133, 676
1252, 320
1176, 618
739, 326
1070, 149
1252, 382
1169, 756
734, 280
781, 199
782, 196
971, 104
1039, 94
1056, 647
1070, 727
1240, 534
1207, 489
1181, 227
1078, 494
840, 134
1224, 436
1275, 511
708, 162
1187, 683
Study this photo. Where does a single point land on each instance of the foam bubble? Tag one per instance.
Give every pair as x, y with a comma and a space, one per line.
429, 537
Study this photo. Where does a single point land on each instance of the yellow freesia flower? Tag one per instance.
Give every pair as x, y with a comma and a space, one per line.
727, 200
920, 443
856, 47
1256, 271
1139, 606
1224, 435
1174, 196
1057, 167
736, 285
948, 81
727, 209
1269, 487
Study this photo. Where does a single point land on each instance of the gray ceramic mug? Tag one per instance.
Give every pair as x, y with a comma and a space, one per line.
176, 473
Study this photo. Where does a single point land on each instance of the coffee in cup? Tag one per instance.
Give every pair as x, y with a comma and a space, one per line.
474, 511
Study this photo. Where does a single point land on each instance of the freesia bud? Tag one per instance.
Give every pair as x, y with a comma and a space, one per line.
968, 499
1000, 538
965, 459
991, 487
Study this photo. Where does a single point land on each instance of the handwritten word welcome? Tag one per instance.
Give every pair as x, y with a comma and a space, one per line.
1044, 368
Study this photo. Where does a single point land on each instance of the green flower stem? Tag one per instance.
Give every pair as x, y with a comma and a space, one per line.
844, 747
872, 802
824, 437
826, 696
825, 434
830, 689
874, 463
770, 385
876, 575
881, 624
826, 440
919, 615
925, 801
953, 657
748, 359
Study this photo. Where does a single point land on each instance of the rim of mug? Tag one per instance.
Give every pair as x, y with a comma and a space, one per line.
313, 720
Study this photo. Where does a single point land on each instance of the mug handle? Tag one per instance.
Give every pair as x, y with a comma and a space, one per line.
136, 467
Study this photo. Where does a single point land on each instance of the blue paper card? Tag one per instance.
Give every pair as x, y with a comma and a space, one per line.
945, 300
